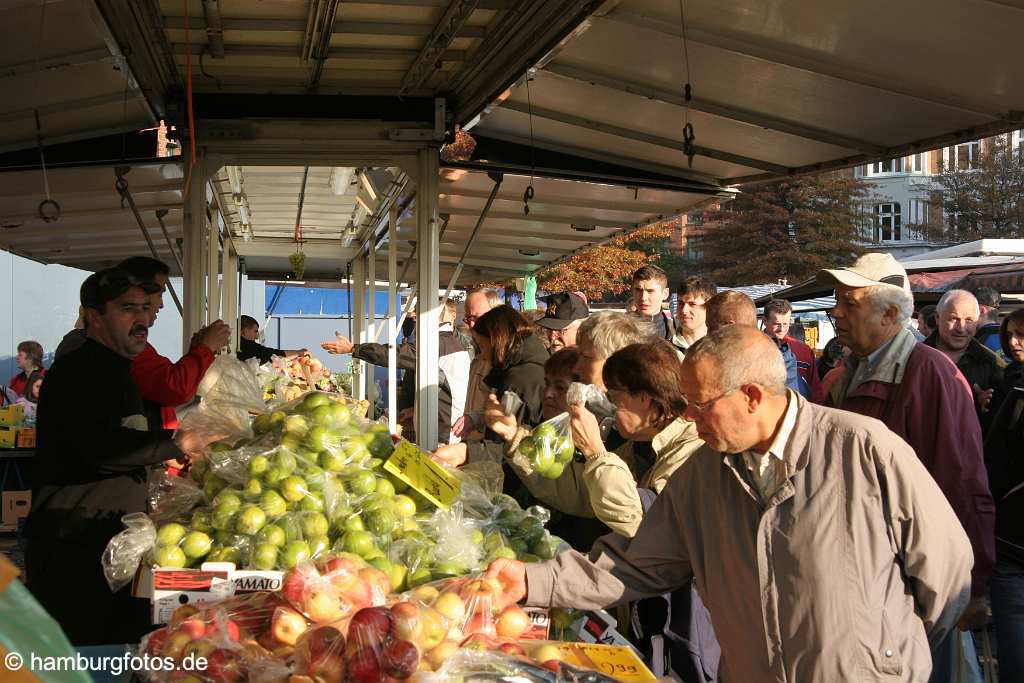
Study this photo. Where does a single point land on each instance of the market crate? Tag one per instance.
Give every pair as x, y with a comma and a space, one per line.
8, 437
168, 589
26, 437
12, 416
14, 507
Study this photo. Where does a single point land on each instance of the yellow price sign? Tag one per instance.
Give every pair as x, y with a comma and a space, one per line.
619, 662
423, 475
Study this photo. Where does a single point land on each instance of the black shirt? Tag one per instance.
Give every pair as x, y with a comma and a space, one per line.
247, 349
94, 449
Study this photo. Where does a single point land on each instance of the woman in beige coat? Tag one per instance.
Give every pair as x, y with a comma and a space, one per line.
643, 382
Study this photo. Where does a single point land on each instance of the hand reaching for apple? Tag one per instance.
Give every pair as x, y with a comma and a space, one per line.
501, 424
339, 345
511, 574
453, 454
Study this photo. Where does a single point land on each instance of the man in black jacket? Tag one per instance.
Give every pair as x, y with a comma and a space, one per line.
93, 457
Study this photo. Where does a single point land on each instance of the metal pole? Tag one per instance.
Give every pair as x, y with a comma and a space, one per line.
497, 178
410, 304
213, 268
160, 213
195, 215
122, 187
358, 319
229, 290
428, 266
445, 217
392, 314
371, 318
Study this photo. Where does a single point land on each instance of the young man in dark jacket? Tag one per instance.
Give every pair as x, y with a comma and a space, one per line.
95, 452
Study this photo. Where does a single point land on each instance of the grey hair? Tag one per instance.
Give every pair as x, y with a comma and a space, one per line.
609, 331
491, 294
952, 295
883, 297
742, 355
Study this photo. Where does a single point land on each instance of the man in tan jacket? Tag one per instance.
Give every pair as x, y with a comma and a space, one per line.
819, 543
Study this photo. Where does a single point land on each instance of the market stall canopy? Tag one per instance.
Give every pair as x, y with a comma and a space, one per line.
95, 228
63, 76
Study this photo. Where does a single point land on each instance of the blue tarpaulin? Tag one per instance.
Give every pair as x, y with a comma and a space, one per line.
316, 301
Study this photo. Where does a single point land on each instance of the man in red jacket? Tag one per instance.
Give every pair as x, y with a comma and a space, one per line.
801, 371
162, 384
920, 394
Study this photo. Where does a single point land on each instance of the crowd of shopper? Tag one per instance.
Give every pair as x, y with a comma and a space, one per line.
772, 514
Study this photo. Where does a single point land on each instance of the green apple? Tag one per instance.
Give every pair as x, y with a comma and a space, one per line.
274, 476
264, 556
419, 576
564, 450
531, 530
527, 447
294, 554
296, 425
314, 400
382, 563
361, 543
398, 574
332, 460
293, 488
448, 568
314, 524
313, 502
170, 534
553, 471
400, 486
501, 552
385, 487
200, 467
277, 418
314, 476
223, 519
322, 416
258, 465
272, 534
272, 504
380, 521
261, 424
212, 486
545, 432
354, 523
356, 451
404, 506
318, 545
545, 547
253, 488
196, 544
250, 519
201, 520
291, 442
285, 460
228, 499
169, 556
543, 459
340, 413
362, 483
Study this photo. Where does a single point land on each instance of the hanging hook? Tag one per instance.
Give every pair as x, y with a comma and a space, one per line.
689, 149
49, 210
527, 196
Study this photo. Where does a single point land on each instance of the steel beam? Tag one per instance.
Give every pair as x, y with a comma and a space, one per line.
194, 276
568, 236
358, 323
713, 108
212, 268
60, 62
371, 319
114, 48
639, 136
340, 26
62, 107
634, 206
291, 52
743, 45
392, 324
540, 218
428, 316
498, 178
427, 62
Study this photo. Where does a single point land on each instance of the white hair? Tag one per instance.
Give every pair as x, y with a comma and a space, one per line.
742, 355
883, 297
952, 295
609, 331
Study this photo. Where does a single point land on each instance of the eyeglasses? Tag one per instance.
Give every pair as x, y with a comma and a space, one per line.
701, 408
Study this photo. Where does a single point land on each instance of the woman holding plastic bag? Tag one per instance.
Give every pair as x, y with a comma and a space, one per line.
506, 339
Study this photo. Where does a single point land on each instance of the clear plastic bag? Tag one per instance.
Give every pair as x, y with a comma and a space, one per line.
509, 662
548, 448
172, 497
125, 551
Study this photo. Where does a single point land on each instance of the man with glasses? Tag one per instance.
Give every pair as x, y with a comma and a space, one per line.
562, 319
817, 541
165, 385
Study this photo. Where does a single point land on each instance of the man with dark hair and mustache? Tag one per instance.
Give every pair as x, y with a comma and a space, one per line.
95, 451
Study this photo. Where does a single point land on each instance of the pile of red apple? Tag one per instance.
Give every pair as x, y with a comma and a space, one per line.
335, 588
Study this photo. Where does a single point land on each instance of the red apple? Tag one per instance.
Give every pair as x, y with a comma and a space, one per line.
198, 648
223, 667
194, 627
287, 625
513, 622
181, 614
479, 641
322, 604
479, 622
437, 656
380, 583
400, 658
408, 624
370, 626
225, 627
329, 668
156, 641
451, 607
293, 586
341, 571
512, 649
364, 667
360, 594
175, 644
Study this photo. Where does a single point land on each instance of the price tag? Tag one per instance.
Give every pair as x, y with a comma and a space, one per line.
622, 663
416, 469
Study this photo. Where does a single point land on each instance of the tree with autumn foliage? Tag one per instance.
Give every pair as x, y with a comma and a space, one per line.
604, 269
786, 229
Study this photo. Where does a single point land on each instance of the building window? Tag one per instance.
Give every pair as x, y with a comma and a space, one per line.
917, 219
693, 250
886, 166
916, 163
888, 223
967, 155
1017, 143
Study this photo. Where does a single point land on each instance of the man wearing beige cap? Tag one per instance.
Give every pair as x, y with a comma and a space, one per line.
919, 394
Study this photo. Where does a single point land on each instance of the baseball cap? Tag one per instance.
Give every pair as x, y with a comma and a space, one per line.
868, 270
563, 309
108, 284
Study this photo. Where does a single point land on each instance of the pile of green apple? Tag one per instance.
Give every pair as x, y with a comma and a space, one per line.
547, 450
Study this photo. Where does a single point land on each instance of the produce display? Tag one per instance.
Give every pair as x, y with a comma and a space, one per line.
286, 379
334, 622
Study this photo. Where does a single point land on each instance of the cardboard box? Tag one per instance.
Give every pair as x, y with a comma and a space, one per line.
14, 506
26, 437
8, 437
168, 589
12, 416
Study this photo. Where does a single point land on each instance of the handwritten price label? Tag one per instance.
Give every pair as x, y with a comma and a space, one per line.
422, 474
620, 662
